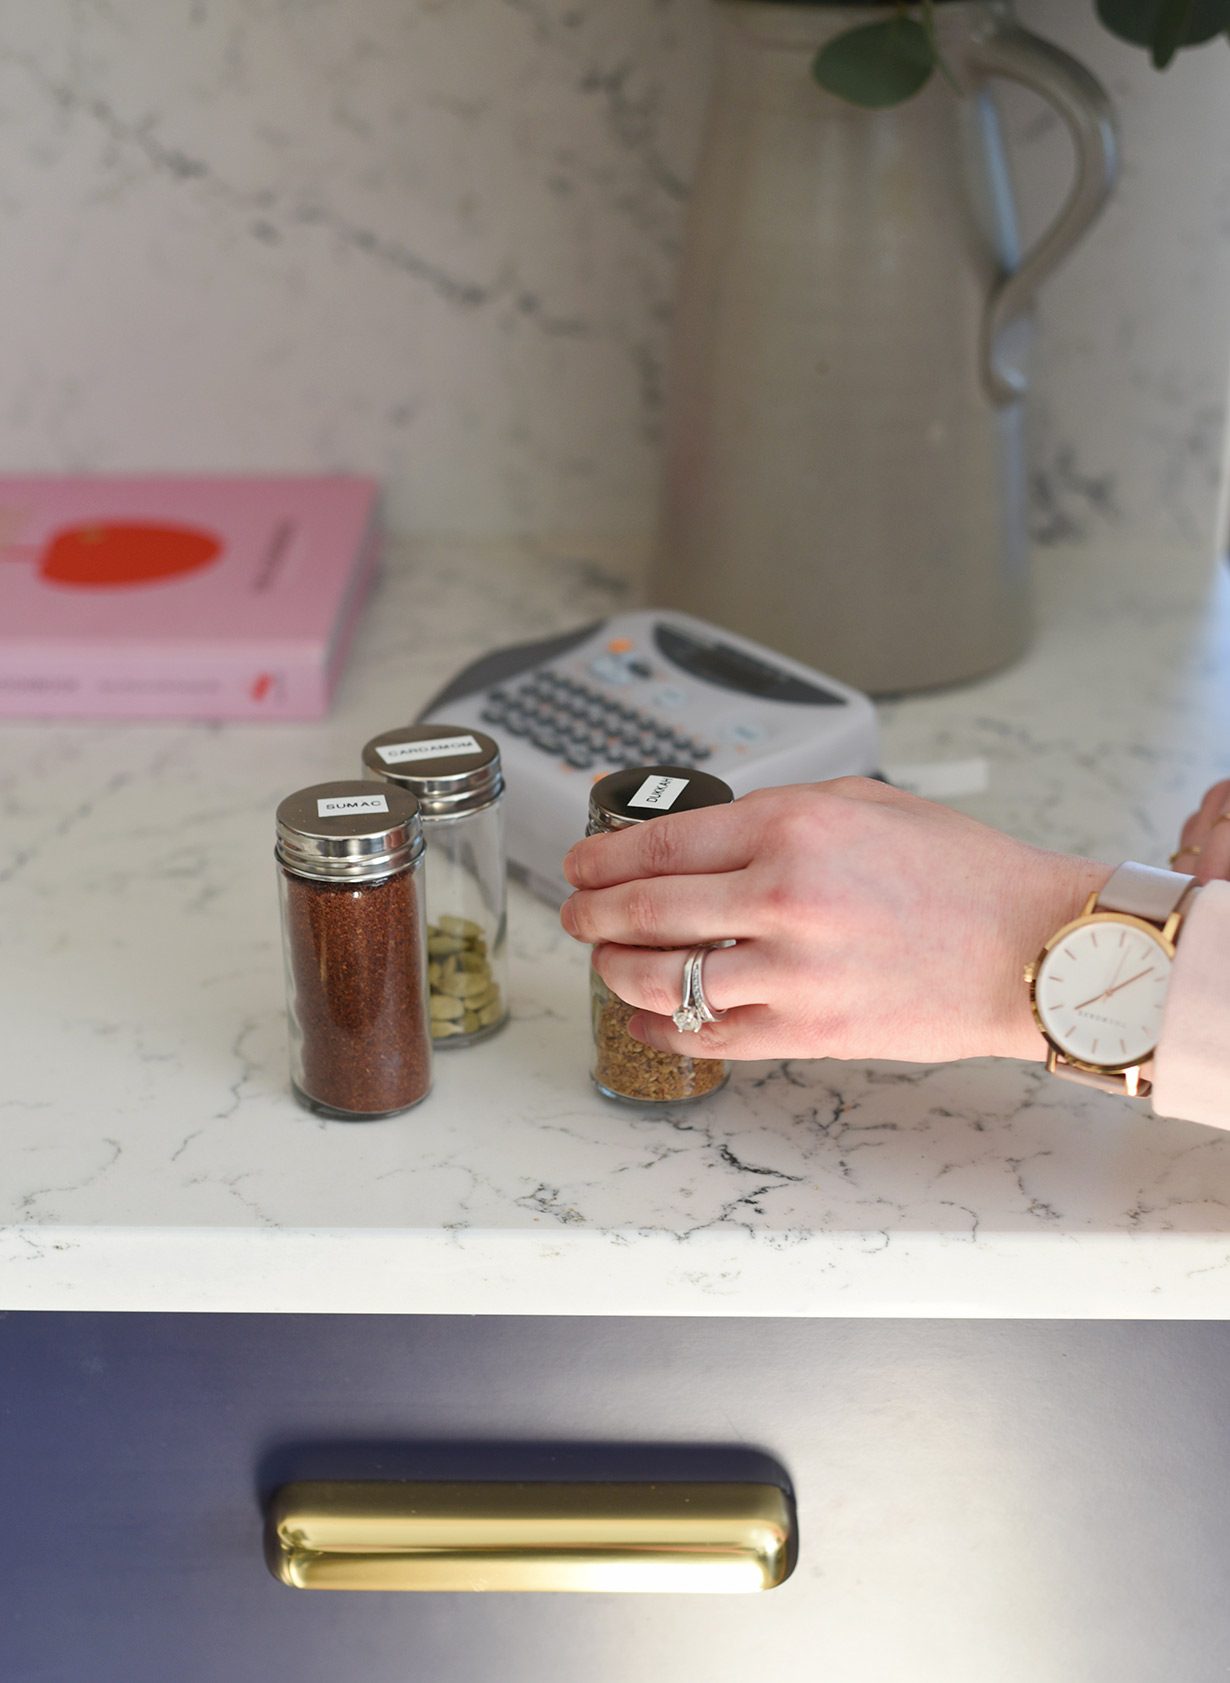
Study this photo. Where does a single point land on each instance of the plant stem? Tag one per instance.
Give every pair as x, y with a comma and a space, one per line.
928, 23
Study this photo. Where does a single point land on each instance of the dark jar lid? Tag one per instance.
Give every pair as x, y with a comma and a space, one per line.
348, 832
636, 793
449, 769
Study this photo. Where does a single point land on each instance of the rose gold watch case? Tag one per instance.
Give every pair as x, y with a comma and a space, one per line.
1164, 938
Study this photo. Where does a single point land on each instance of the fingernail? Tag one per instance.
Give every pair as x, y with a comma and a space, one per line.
637, 1026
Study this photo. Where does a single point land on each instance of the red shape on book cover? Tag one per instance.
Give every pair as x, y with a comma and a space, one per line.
107, 553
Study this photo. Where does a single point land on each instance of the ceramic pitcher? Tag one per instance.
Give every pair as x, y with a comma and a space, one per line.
845, 474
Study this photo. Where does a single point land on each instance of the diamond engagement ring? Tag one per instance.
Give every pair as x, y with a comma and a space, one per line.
695, 1010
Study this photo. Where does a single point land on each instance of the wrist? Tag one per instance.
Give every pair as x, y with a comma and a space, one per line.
1056, 892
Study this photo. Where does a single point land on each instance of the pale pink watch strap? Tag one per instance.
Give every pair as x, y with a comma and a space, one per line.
1144, 891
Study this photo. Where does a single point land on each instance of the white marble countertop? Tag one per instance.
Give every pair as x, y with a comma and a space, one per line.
152, 1157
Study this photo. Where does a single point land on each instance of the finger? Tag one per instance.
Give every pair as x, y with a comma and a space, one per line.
712, 839
1199, 827
1212, 864
662, 912
653, 981
747, 1032
1191, 839
1216, 800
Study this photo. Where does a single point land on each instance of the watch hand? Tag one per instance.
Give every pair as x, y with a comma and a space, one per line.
1118, 969
1129, 981
1106, 992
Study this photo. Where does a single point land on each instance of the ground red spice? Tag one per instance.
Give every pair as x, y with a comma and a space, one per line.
356, 979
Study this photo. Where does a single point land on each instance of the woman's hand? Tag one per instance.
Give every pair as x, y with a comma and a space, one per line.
1204, 846
870, 924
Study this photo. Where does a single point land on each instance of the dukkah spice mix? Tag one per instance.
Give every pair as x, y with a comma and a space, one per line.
625, 1068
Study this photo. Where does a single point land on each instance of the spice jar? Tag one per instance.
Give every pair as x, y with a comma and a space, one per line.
354, 943
625, 1068
456, 777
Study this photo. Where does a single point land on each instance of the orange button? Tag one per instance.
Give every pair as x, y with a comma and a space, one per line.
619, 645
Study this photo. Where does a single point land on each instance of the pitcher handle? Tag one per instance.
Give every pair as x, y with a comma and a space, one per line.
1083, 103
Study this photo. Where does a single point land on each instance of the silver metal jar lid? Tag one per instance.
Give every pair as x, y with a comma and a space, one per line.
636, 793
449, 769
348, 832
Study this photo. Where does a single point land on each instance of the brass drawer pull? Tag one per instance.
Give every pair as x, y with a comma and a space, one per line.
695, 1538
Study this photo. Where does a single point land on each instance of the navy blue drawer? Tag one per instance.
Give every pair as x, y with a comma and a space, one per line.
1032, 1503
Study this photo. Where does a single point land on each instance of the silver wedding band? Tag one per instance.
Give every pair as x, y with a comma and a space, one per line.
695, 1010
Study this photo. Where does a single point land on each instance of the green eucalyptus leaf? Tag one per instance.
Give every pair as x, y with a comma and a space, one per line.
1173, 22
1165, 25
876, 64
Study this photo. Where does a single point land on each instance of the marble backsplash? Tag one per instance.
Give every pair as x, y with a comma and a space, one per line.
435, 240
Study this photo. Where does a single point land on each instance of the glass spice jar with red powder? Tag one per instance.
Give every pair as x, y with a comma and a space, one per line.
354, 942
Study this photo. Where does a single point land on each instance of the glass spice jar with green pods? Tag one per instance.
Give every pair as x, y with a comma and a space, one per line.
350, 878
625, 1068
455, 776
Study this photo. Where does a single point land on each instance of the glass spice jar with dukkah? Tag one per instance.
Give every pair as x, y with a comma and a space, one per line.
625, 1068
354, 942
456, 777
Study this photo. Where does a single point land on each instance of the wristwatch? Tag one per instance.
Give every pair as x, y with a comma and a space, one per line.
1098, 987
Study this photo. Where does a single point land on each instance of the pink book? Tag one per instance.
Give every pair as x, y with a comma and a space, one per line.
185, 598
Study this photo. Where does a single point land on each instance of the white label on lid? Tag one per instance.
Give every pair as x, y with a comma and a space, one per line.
397, 753
337, 806
659, 793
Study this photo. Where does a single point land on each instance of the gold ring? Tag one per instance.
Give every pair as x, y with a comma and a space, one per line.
1222, 818
1192, 847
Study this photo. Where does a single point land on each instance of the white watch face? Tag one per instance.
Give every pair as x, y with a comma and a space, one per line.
1100, 993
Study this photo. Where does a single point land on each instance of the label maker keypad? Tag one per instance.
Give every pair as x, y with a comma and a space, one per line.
570, 720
